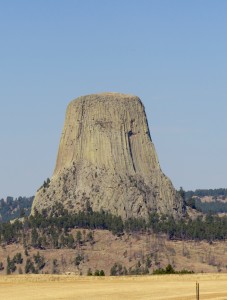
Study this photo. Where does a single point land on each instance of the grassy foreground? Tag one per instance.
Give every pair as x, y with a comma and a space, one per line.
56, 287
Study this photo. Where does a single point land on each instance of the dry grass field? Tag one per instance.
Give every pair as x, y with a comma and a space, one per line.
63, 287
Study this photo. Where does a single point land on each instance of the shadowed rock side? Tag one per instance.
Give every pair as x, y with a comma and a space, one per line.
106, 160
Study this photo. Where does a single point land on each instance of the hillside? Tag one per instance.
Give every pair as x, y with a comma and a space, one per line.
129, 254
208, 201
80, 243
61, 242
11, 208
215, 193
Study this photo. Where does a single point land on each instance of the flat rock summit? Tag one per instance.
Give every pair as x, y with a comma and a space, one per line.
107, 161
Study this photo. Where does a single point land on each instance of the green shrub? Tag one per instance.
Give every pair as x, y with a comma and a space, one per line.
18, 259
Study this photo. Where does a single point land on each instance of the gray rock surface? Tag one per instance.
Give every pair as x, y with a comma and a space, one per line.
107, 160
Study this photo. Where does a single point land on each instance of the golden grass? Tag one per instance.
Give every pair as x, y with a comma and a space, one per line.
63, 287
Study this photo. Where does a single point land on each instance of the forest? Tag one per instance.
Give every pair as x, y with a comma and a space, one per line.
53, 230
14, 208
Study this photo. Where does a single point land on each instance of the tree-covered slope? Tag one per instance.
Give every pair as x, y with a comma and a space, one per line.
11, 208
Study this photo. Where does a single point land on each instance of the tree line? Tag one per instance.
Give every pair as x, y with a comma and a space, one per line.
53, 230
207, 192
19, 207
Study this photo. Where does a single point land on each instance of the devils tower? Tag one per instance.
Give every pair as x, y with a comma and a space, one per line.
107, 161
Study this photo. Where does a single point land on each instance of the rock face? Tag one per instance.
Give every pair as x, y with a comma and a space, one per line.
106, 160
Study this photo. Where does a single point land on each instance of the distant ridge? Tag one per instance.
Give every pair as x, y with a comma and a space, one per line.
11, 208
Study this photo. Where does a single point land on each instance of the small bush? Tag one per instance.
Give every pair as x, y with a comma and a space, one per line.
29, 267
18, 259
89, 272
170, 270
10, 266
96, 273
78, 260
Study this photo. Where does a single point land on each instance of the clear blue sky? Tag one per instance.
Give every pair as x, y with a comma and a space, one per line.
172, 54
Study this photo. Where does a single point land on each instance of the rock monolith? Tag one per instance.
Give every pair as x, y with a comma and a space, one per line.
107, 161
